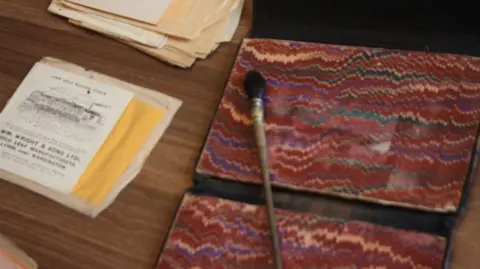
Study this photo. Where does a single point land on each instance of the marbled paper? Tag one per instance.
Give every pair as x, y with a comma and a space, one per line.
213, 233
389, 126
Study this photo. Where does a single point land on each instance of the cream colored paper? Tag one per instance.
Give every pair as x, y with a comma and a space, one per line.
203, 45
176, 51
149, 11
169, 55
55, 123
168, 104
201, 14
222, 11
232, 24
117, 28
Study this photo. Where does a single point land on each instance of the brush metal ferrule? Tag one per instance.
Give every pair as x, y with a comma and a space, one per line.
259, 127
257, 110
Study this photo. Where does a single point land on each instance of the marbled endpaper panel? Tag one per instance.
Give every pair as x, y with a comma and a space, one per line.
213, 233
389, 126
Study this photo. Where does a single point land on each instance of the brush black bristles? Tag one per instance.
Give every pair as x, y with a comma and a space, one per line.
254, 85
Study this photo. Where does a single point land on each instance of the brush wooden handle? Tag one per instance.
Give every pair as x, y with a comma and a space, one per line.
261, 141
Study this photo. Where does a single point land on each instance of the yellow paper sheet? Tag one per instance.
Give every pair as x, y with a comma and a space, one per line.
130, 133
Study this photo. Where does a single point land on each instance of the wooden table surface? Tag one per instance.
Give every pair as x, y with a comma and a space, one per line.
129, 234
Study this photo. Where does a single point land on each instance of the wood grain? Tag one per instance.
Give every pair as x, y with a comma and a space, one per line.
130, 233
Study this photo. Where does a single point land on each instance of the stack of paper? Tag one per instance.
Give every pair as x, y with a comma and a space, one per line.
79, 137
175, 31
11, 257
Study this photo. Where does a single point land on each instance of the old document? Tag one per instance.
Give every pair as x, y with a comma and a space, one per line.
54, 125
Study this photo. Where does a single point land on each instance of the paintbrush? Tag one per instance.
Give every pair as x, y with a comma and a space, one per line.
255, 87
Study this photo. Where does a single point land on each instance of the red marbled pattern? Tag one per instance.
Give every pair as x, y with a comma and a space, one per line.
393, 127
211, 233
